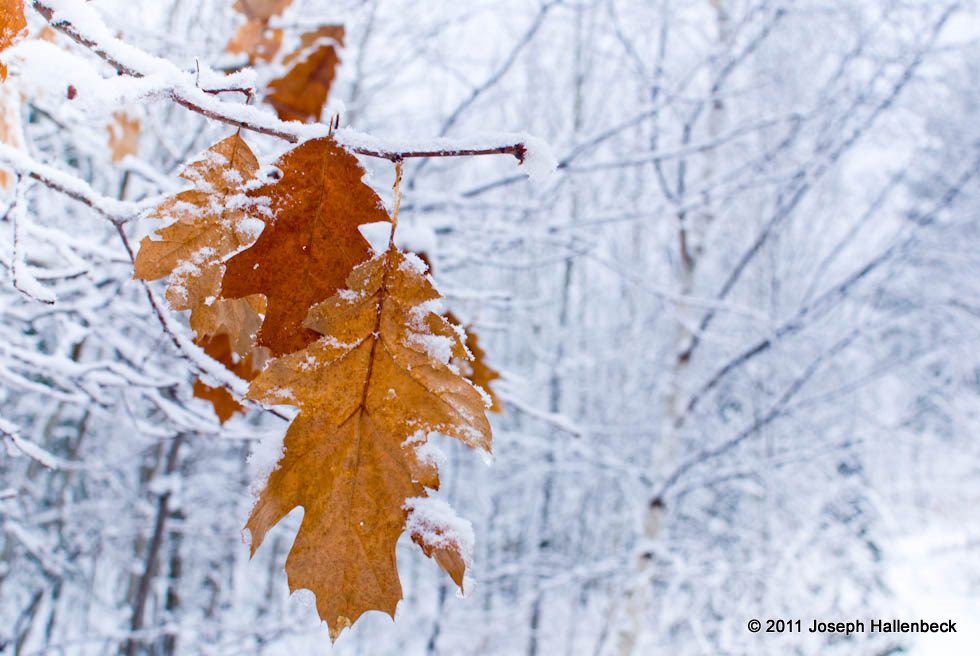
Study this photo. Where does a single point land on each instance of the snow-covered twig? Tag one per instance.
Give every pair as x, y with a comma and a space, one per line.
67, 184
24, 280
9, 432
83, 25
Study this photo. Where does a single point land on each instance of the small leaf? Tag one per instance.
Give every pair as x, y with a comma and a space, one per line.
206, 224
124, 135
247, 368
476, 370
257, 40
12, 25
11, 130
261, 10
301, 94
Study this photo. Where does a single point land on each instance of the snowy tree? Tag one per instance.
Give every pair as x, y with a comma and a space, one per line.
735, 329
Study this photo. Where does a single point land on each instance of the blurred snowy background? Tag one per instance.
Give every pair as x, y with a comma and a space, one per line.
738, 329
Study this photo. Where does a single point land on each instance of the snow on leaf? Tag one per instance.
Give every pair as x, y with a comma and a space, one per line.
368, 396
12, 25
207, 224
310, 242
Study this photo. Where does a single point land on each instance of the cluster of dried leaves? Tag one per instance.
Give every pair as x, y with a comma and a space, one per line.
353, 344
285, 292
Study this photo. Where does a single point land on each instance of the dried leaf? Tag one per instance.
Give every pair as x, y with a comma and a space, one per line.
124, 136
239, 318
11, 131
247, 368
476, 370
207, 224
257, 40
261, 10
305, 253
12, 25
369, 392
301, 94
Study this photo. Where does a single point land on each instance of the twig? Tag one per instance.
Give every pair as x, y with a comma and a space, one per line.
203, 101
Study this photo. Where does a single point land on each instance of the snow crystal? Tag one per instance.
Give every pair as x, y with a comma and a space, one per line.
438, 525
377, 234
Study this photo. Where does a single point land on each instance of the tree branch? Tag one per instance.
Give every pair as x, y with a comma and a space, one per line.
182, 88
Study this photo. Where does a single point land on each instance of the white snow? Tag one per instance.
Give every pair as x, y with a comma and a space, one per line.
539, 162
377, 234
413, 264
438, 525
264, 458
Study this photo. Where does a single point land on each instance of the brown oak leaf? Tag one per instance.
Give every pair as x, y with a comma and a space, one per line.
261, 10
301, 94
247, 368
11, 130
206, 224
257, 40
12, 25
476, 369
124, 136
309, 245
370, 390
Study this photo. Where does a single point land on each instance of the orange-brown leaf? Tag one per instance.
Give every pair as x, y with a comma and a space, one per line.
370, 390
261, 10
219, 347
301, 94
307, 250
12, 25
257, 40
206, 224
124, 136
11, 132
476, 370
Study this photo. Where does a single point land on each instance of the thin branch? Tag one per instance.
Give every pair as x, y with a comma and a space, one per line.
128, 60
775, 411
116, 211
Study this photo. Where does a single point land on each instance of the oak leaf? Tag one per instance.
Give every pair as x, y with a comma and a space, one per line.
206, 224
11, 130
124, 136
310, 242
12, 25
476, 370
369, 390
257, 40
247, 368
301, 94
261, 10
